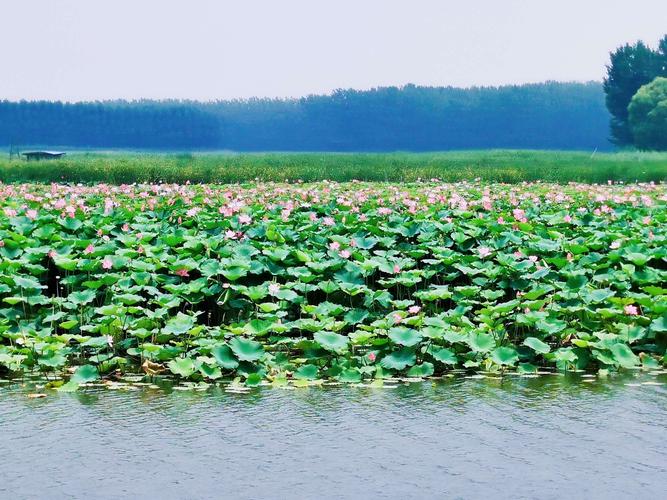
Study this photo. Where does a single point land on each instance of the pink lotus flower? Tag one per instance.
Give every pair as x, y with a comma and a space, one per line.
371, 357
567, 219
274, 288
414, 309
89, 249
245, 219
31, 214
397, 269
533, 258
182, 273
631, 310
334, 245
484, 252
2, 243
615, 244
501, 220
345, 254
107, 263
328, 221
126, 227
646, 220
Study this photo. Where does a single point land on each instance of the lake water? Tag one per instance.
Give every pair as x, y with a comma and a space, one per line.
548, 437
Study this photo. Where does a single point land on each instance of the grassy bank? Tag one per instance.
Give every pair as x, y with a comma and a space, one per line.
493, 166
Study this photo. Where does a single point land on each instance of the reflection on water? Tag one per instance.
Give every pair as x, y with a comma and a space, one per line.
553, 436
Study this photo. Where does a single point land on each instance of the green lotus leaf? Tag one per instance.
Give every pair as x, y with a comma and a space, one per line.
445, 356
208, 370
423, 370
504, 355
624, 355
565, 354
525, 368
577, 282
356, 316
481, 342
85, 373
27, 283
659, 324
600, 295
253, 379
183, 367
399, 360
331, 341
258, 327
537, 345
224, 357
68, 325
52, 360
505, 307
350, 376
329, 287
82, 297
306, 372
246, 350
404, 336
234, 273
537, 292
179, 325
551, 325
286, 294
365, 243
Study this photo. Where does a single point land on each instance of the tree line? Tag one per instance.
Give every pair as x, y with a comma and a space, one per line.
636, 95
550, 115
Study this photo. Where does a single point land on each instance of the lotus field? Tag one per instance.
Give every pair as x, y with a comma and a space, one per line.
299, 283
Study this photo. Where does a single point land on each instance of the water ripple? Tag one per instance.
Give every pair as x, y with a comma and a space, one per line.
549, 437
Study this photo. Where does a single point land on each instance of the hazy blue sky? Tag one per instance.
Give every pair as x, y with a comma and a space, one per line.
210, 49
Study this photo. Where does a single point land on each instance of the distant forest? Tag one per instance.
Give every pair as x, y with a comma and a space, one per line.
411, 118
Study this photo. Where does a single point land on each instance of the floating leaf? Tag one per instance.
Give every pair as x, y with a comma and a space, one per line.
306, 372
624, 355
424, 370
183, 367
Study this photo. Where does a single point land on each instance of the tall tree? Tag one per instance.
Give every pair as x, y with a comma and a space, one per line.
647, 115
630, 67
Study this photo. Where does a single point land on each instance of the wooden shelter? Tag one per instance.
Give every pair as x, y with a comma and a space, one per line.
43, 155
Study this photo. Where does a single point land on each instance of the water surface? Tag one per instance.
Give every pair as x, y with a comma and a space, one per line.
548, 437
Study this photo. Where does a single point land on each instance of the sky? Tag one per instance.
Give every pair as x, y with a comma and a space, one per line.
218, 49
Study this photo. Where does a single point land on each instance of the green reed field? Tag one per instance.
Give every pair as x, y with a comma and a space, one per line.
490, 165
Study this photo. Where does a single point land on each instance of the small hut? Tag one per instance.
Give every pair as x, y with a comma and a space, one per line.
42, 155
